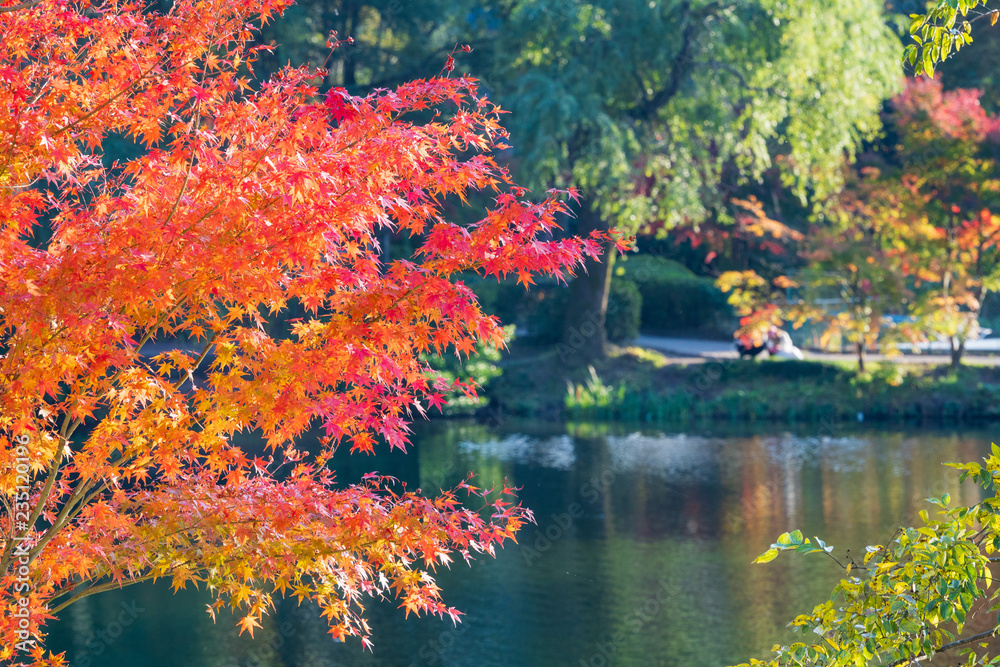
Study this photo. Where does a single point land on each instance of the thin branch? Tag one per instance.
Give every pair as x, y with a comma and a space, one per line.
100, 588
8, 551
725, 67
130, 86
70, 510
946, 647
23, 5
197, 363
682, 62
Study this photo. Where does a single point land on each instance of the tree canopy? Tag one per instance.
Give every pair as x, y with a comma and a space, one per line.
119, 464
650, 107
659, 111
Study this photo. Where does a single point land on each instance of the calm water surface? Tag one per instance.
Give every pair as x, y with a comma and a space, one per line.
641, 554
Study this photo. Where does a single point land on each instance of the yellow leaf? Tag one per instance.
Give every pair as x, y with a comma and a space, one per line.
248, 623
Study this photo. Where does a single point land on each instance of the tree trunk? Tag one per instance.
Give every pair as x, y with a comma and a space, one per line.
862, 353
385, 248
956, 353
584, 334
352, 15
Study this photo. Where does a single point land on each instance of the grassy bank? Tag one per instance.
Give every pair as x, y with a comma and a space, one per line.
636, 384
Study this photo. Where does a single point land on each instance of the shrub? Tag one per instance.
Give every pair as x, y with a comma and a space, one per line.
545, 312
676, 300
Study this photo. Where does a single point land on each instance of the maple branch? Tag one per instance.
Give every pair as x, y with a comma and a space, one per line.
13, 141
204, 353
195, 119
23, 5
166, 315
100, 588
8, 551
71, 508
73, 504
21, 186
9, 357
66, 590
134, 83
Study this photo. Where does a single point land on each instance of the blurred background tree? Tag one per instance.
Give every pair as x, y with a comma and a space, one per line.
660, 112
657, 111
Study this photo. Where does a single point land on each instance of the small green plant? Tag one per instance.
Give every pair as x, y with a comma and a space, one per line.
593, 395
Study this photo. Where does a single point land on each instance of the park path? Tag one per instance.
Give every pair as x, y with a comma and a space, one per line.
693, 350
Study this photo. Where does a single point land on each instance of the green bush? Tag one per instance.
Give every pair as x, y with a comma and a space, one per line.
674, 299
784, 369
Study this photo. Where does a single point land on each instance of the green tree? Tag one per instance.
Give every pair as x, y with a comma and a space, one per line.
649, 107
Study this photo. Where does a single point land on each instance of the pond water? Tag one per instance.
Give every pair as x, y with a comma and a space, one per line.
640, 556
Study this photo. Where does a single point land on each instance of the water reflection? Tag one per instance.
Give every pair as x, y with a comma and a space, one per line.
641, 552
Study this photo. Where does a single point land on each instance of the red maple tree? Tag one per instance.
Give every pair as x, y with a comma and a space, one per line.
119, 467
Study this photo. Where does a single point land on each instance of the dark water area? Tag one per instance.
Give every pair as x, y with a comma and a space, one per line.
640, 556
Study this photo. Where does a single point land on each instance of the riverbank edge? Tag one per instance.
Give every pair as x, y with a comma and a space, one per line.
638, 384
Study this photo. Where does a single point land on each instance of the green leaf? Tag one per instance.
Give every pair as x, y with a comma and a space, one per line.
767, 556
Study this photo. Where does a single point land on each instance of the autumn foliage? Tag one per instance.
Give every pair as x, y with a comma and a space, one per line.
909, 248
248, 197
945, 223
